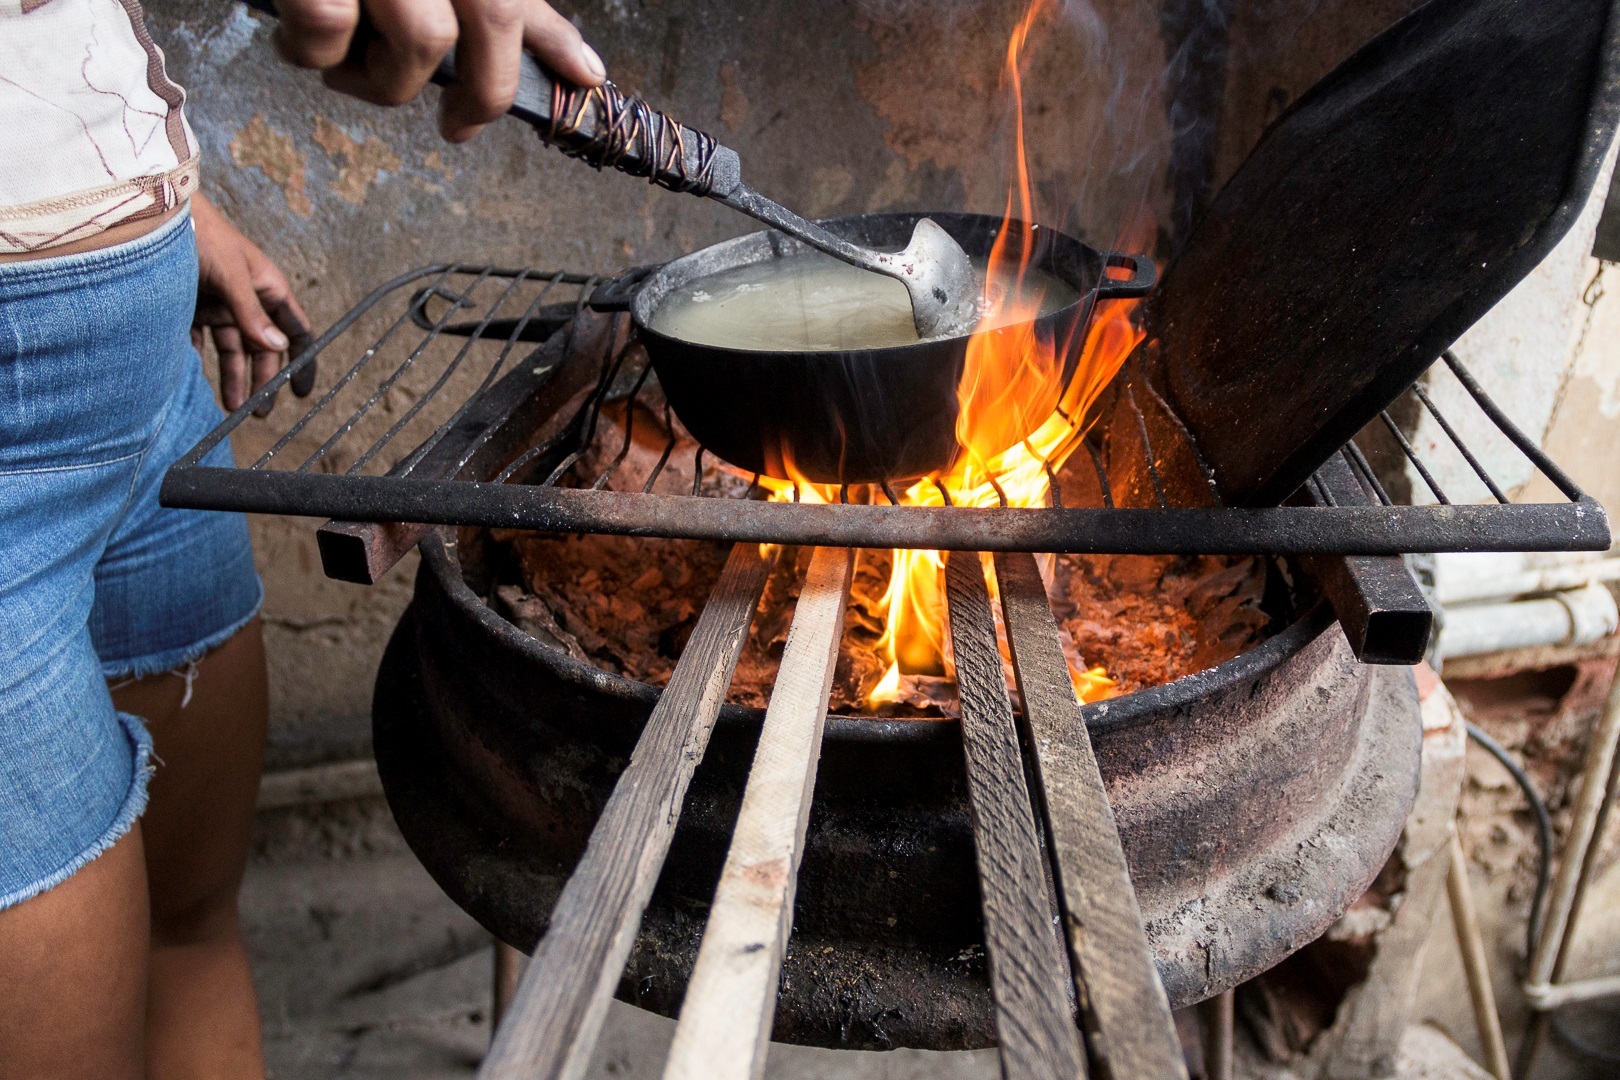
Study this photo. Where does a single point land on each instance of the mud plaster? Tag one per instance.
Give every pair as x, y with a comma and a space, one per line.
260, 146
362, 162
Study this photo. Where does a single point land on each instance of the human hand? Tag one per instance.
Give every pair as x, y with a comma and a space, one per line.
244, 300
402, 41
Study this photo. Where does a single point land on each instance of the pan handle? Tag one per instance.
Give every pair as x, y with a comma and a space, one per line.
1144, 275
617, 294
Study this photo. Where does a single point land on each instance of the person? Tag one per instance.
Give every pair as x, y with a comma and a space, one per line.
133, 690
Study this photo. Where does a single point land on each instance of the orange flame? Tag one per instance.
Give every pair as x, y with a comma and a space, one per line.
1012, 385
1018, 419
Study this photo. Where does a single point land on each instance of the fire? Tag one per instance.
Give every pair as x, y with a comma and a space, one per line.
914, 637
1013, 382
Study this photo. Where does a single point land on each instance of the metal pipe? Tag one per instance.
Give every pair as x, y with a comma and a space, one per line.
1557, 995
1455, 584
1599, 777
1471, 946
1567, 618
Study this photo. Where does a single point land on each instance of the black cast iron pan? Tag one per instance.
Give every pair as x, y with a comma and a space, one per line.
855, 417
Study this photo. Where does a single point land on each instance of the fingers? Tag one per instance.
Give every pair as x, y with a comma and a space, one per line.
411, 37
290, 317
244, 297
241, 292
233, 368
385, 51
265, 366
487, 55
559, 46
315, 33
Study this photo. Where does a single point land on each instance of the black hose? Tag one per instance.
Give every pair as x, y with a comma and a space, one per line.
1543, 874
1579, 1043
1544, 839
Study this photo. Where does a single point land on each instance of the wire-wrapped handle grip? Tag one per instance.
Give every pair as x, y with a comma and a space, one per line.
603, 126
607, 128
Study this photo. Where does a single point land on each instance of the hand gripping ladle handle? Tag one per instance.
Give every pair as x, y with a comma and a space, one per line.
601, 125
607, 128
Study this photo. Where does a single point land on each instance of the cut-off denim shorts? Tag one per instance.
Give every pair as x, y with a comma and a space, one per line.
100, 392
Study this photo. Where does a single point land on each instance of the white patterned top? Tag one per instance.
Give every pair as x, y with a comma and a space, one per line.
92, 131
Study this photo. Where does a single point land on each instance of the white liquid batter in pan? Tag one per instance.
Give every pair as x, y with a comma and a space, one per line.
811, 302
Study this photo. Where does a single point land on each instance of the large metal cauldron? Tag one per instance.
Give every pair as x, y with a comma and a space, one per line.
1255, 801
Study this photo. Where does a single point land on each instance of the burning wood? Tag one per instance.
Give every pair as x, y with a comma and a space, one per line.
628, 605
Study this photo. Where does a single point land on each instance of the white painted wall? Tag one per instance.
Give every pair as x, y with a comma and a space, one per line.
1550, 358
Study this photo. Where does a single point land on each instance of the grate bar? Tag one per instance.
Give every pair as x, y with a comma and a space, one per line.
1222, 530
326, 399
520, 326
1411, 455
1527, 446
1456, 440
1364, 467
433, 391
405, 495
629, 427
1102, 473
594, 404
386, 385
1147, 444
669, 448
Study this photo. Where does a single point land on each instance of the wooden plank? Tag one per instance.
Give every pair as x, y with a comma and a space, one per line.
519, 403
1123, 1004
563, 996
1028, 974
725, 1022
1477, 969
1216, 1019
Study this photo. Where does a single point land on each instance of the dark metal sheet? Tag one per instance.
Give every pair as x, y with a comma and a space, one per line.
1606, 244
1380, 217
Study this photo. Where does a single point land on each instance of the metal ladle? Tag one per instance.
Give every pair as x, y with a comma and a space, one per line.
933, 267
606, 127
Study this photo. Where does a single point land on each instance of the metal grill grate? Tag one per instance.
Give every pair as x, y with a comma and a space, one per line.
458, 395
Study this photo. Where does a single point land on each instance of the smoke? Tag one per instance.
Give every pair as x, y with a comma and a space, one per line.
1135, 114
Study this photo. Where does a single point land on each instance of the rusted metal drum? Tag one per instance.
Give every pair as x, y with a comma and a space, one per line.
1255, 801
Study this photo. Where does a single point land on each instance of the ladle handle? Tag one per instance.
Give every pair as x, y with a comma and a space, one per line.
603, 126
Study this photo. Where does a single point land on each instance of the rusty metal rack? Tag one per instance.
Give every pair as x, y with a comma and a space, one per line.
460, 364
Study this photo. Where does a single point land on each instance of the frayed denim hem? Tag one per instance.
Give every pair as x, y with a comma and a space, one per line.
134, 806
175, 659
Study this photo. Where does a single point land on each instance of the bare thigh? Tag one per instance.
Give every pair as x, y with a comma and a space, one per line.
73, 974
200, 817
